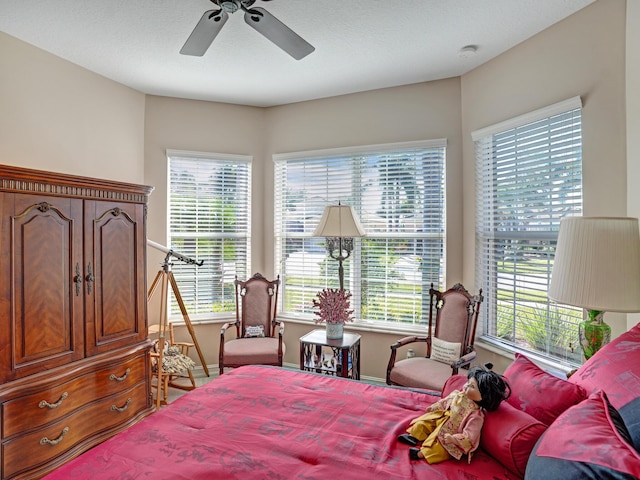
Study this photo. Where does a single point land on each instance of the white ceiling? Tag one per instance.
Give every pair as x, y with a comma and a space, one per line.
360, 44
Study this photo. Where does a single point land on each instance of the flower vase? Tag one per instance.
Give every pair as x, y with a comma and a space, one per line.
335, 331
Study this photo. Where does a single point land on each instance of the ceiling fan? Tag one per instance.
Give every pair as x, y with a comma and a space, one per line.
213, 20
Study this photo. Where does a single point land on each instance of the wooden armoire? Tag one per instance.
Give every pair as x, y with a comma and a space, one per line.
74, 351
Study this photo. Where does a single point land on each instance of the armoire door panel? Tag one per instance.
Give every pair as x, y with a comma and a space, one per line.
42, 246
117, 314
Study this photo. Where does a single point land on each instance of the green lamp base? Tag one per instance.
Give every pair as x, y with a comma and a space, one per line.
594, 333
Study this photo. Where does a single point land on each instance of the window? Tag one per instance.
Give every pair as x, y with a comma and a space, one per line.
209, 220
398, 194
529, 176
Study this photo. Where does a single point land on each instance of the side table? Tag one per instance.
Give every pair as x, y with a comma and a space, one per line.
340, 358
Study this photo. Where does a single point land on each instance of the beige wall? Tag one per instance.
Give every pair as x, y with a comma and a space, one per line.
196, 126
582, 55
61, 117
57, 116
414, 112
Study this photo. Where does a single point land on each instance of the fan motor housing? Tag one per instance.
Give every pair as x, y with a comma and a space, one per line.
229, 6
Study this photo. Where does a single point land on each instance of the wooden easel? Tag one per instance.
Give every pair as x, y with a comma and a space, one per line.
164, 278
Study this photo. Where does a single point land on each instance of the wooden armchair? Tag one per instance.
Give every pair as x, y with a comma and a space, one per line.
258, 334
453, 316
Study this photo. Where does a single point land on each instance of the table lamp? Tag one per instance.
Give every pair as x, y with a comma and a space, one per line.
339, 224
597, 267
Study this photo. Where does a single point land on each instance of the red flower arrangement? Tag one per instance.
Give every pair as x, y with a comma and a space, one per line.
333, 305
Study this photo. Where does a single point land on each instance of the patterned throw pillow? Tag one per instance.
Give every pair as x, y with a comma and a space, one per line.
614, 369
445, 352
540, 394
586, 441
254, 331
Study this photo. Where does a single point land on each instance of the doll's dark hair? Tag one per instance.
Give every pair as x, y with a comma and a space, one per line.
493, 387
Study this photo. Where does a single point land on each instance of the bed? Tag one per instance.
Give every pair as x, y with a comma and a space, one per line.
274, 423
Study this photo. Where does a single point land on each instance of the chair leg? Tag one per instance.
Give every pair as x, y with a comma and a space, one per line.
165, 389
162, 389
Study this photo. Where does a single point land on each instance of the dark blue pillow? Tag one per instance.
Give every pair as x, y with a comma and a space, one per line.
630, 414
545, 468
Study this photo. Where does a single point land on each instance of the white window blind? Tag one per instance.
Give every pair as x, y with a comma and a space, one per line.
529, 176
398, 193
209, 220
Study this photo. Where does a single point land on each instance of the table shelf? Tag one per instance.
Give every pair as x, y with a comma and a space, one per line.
322, 355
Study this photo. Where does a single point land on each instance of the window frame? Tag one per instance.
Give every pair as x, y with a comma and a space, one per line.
356, 257
184, 273
542, 239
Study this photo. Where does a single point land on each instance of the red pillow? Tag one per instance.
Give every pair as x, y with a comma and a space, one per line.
454, 382
613, 369
509, 435
538, 393
584, 443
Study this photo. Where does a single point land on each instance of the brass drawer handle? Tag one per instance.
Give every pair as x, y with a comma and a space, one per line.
44, 403
122, 378
121, 409
45, 440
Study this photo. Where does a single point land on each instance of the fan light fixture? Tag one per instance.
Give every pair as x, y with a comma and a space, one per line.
230, 6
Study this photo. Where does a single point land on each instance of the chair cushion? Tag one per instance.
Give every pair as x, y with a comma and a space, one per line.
538, 393
420, 372
584, 442
250, 351
443, 351
173, 360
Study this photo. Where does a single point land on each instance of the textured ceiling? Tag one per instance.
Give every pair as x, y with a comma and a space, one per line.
360, 44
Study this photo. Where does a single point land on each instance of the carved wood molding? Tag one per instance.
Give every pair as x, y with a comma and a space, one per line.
23, 180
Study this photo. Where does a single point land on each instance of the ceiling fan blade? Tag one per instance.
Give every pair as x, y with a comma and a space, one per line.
278, 33
206, 30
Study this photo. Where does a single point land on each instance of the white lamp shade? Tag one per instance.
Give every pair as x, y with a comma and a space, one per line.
339, 221
597, 264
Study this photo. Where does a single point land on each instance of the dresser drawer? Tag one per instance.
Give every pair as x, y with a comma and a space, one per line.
37, 409
56, 438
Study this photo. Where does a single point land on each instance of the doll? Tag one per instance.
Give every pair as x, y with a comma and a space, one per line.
451, 427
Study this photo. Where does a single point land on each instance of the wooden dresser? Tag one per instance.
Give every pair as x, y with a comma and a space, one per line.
74, 353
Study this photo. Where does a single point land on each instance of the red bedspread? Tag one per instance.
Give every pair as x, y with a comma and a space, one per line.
273, 423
